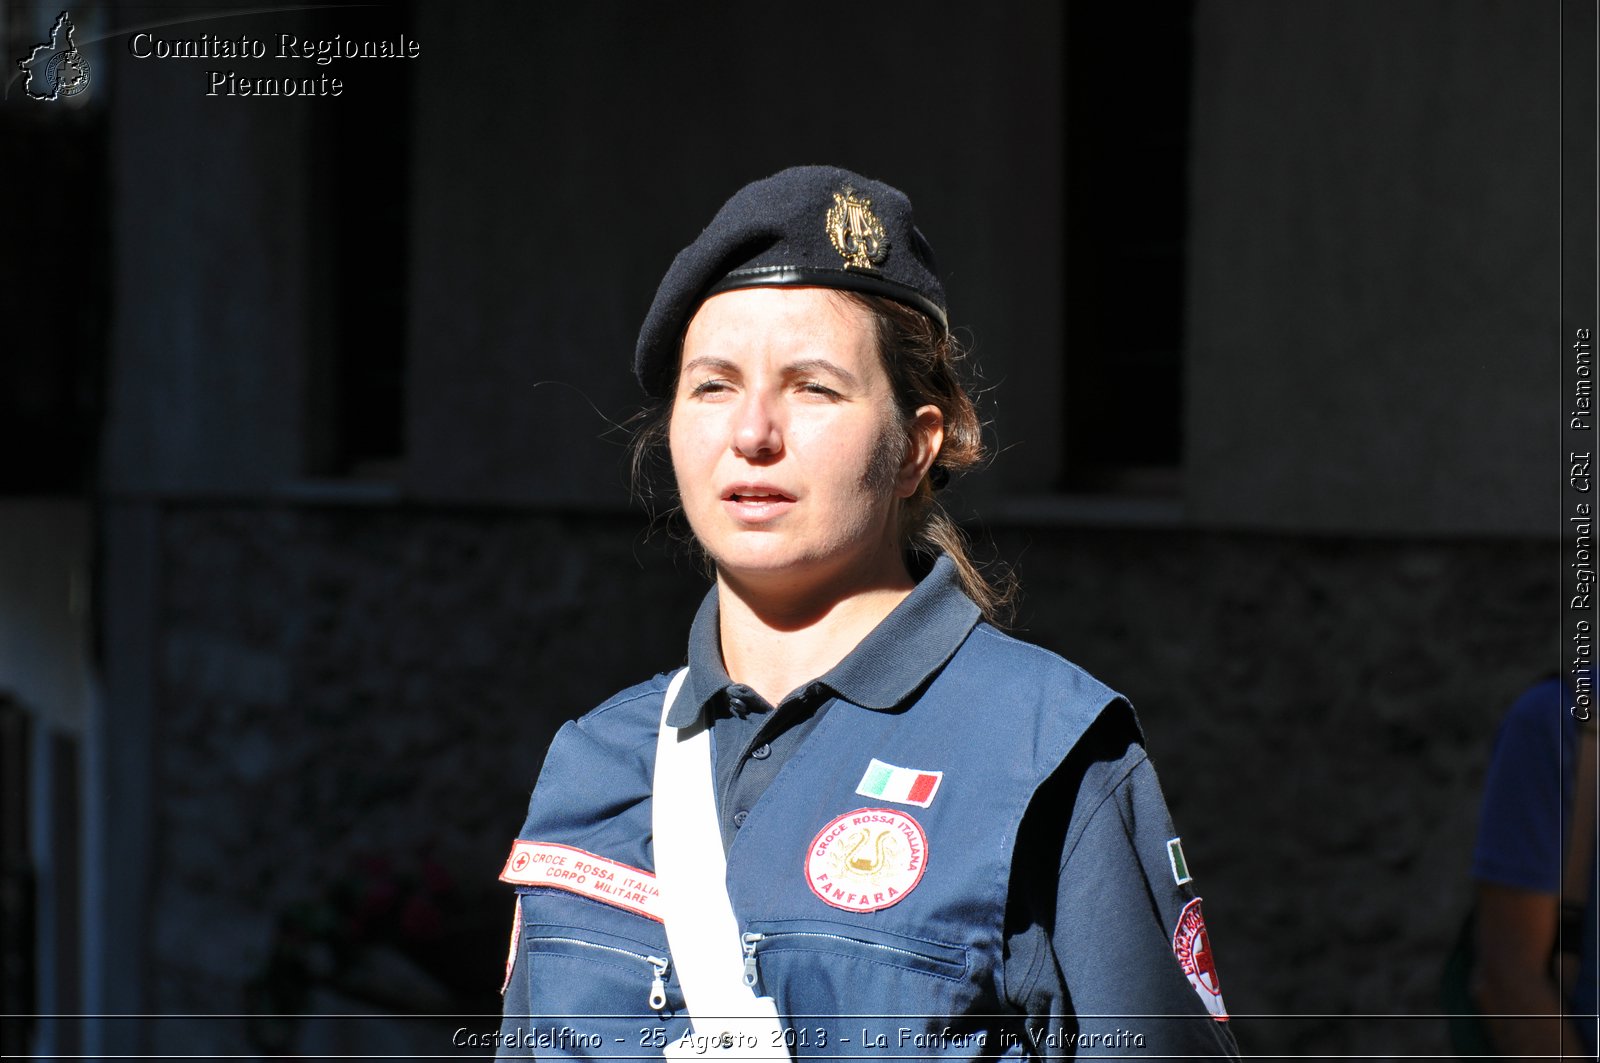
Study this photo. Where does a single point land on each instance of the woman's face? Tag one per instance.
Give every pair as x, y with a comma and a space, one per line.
789, 454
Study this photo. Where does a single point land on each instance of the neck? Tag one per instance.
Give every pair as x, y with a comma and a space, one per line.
777, 639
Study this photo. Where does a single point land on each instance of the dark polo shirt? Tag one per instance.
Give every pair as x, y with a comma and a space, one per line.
1092, 852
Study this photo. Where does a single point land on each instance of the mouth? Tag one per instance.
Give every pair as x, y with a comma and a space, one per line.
757, 497
757, 494
756, 503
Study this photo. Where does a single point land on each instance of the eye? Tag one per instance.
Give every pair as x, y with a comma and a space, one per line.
811, 387
708, 387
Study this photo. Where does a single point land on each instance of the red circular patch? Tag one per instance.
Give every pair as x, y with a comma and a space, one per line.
1192, 945
867, 859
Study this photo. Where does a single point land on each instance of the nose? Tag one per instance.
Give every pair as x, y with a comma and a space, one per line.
758, 429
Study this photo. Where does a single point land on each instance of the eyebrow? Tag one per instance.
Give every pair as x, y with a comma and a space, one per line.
717, 365
800, 368
813, 365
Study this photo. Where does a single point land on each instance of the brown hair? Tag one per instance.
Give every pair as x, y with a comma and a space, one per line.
924, 364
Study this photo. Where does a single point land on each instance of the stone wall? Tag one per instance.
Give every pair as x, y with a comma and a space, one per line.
354, 702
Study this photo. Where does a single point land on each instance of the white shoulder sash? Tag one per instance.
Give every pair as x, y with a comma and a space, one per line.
730, 1022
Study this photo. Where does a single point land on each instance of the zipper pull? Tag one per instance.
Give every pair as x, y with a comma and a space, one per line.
750, 976
658, 985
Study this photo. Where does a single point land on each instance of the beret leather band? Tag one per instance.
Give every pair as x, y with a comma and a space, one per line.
808, 226
849, 280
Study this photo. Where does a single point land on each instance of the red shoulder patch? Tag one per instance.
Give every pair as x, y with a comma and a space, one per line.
1192, 945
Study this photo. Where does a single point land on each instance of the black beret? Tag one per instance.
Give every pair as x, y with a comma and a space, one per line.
809, 226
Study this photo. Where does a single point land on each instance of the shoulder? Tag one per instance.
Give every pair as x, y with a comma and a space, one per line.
1024, 664
627, 714
1519, 823
1120, 797
594, 788
1102, 783
1536, 702
618, 733
1025, 680
1535, 722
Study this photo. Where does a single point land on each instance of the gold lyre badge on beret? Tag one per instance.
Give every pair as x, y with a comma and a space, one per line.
856, 232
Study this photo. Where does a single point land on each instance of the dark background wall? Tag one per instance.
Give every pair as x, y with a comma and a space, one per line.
1264, 300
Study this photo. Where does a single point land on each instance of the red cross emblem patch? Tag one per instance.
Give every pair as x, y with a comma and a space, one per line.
1192, 946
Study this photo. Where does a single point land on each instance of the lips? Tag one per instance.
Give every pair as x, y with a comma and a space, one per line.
756, 503
758, 493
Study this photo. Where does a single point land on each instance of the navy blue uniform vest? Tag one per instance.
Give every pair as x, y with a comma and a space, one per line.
867, 919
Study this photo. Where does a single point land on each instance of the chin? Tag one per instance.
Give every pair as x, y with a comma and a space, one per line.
798, 566
766, 559
763, 562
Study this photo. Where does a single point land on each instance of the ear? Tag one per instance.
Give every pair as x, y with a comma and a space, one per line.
925, 434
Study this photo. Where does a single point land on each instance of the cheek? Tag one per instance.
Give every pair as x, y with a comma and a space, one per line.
677, 456
674, 445
854, 459
693, 444
888, 452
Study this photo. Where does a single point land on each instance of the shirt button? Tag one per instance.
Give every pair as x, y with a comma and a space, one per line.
739, 817
761, 752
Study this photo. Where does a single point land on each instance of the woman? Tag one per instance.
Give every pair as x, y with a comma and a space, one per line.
881, 827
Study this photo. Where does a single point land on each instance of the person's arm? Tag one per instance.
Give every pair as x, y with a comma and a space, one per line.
1098, 916
515, 1003
1515, 936
1123, 919
1517, 866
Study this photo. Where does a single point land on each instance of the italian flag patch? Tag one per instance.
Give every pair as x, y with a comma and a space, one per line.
906, 786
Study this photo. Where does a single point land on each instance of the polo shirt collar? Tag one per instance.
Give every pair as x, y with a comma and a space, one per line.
895, 659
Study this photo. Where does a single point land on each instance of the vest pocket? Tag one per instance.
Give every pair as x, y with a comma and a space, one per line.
794, 943
843, 986
599, 979
546, 940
